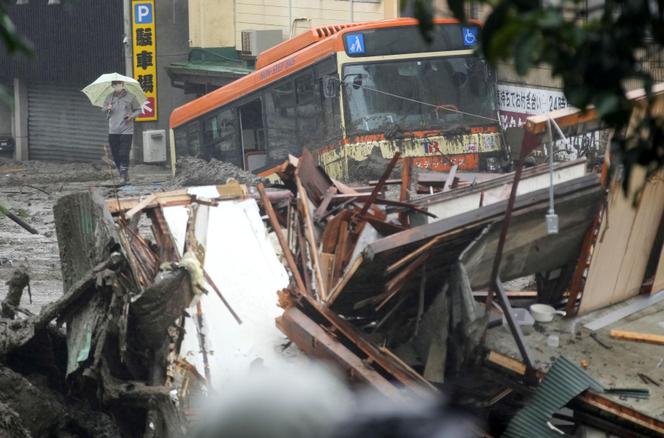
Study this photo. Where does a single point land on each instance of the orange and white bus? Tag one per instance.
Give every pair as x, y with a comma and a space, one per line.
354, 95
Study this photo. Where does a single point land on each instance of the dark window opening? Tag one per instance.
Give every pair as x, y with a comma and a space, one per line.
252, 135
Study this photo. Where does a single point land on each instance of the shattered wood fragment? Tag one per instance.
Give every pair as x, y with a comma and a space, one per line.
450, 179
650, 338
378, 187
315, 181
140, 206
310, 238
395, 284
163, 237
325, 203
315, 341
281, 238
19, 281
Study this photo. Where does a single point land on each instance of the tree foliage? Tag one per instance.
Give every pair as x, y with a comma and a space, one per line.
12, 41
592, 49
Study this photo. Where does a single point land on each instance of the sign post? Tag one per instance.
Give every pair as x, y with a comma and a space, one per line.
144, 56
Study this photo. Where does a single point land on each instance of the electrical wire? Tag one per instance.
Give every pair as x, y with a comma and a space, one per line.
427, 104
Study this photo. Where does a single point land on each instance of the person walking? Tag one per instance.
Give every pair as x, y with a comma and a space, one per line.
121, 109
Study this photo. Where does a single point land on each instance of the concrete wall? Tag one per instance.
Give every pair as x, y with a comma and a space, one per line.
219, 23
211, 23
172, 29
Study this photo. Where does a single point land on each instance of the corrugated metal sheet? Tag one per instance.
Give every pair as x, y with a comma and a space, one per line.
564, 381
63, 125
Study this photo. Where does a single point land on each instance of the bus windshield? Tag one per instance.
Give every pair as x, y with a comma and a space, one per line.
418, 94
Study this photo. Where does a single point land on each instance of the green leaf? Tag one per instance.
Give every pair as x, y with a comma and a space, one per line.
524, 52
550, 19
607, 103
457, 8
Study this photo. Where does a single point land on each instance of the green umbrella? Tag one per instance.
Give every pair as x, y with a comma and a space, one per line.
99, 89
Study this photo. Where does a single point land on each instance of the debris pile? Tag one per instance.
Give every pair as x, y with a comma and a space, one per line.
169, 296
198, 172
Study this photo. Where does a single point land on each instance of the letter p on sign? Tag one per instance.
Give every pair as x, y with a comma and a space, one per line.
143, 13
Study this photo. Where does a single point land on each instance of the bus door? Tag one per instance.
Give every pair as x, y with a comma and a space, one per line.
252, 135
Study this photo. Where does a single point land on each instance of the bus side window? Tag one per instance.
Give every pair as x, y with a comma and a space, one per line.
310, 125
281, 116
194, 139
329, 88
252, 134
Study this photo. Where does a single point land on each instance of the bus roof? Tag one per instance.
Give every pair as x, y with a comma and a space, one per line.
281, 60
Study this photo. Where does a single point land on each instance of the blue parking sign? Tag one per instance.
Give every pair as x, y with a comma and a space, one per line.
469, 35
143, 13
355, 43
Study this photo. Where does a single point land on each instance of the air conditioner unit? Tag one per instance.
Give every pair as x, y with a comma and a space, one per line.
154, 146
256, 41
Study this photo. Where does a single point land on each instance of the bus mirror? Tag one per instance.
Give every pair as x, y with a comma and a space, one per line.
330, 86
357, 81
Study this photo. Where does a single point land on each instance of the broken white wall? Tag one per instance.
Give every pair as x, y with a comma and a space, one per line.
242, 262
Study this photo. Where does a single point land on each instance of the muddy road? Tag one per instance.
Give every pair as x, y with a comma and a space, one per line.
29, 190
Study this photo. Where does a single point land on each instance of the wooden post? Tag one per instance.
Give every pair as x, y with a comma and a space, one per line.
310, 237
404, 195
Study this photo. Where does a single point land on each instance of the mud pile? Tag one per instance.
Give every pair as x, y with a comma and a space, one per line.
198, 172
46, 172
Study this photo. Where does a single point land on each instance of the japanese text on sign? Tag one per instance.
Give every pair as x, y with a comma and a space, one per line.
145, 55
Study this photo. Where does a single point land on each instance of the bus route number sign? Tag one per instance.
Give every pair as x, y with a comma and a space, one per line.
355, 44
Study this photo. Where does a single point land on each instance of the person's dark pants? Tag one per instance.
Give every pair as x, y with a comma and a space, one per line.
120, 147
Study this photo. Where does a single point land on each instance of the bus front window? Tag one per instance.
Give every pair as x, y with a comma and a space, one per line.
418, 94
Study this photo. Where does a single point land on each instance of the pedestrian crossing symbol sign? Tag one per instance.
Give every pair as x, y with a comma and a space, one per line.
355, 44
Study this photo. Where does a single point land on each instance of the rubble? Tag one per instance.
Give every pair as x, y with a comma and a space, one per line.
169, 296
198, 172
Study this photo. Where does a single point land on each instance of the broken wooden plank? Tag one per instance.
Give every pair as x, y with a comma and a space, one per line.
649, 338
325, 203
316, 342
404, 194
379, 186
310, 237
140, 206
395, 284
290, 260
627, 234
316, 182
450, 179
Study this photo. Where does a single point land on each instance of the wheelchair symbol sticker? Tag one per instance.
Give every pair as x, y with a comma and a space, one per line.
469, 35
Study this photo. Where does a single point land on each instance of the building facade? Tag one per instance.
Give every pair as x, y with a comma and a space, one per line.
73, 44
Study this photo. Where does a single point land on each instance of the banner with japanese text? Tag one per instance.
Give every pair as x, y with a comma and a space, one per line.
145, 55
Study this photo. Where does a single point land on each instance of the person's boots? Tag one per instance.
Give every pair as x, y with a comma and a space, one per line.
124, 174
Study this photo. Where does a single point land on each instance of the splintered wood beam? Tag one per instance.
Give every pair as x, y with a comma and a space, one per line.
310, 237
317, 342
413, 255
379, 186
638, 337
404, 195
325, 203
450, 179
140, 206
339, 286
290, 260
396, 284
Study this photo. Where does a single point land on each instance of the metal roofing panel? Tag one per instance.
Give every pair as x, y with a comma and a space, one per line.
564, 381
